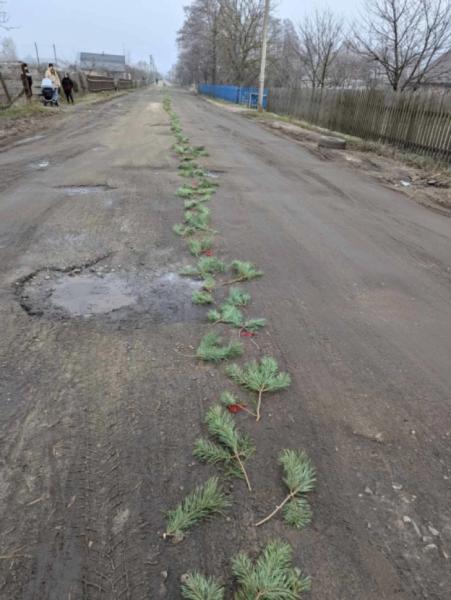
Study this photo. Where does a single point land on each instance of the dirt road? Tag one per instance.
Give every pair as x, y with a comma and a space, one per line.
99, 412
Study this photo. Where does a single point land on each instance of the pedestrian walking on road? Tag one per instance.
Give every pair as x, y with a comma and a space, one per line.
68, 86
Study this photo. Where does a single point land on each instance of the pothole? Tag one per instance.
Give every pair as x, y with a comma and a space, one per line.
164, 297
38, 166
83, 190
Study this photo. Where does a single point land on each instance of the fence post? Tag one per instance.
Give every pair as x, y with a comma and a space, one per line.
5, 89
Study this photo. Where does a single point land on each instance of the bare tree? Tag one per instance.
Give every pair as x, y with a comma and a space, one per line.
8, 49
241, 26
198, 42
404, 37
320, 38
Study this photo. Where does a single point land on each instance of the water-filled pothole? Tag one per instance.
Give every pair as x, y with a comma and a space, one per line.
117, 295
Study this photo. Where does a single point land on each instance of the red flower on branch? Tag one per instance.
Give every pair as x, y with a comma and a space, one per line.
235, 408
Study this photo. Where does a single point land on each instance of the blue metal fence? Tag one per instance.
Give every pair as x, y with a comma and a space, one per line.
233, 93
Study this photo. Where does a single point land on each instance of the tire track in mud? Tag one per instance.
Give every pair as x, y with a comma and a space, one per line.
111, 535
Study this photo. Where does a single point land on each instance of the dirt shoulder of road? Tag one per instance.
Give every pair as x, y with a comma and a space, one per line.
30, 119
416, 176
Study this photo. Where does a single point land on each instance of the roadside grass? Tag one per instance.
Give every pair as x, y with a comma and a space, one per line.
355, 143
20, 111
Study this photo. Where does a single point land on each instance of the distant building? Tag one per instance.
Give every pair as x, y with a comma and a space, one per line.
103, 64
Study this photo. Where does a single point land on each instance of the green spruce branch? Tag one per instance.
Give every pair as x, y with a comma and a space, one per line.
300, 478
229, 445
211, 349
260, 377
205, 500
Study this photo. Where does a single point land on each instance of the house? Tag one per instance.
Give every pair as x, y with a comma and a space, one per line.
112, 65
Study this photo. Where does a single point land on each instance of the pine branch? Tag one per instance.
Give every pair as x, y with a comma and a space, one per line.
206, 265
227, 314
271, 577
197, 247
210, 348
260, 377
205, 500
183, 230
237, 297
230, 445
208, 283
300, 478
198, 587
202, 297
230, 402
198, 218
244, 271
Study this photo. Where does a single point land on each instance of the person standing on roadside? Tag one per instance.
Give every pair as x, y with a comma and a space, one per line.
68, 86
52, 74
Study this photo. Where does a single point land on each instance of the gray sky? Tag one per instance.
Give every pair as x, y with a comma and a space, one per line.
140, 27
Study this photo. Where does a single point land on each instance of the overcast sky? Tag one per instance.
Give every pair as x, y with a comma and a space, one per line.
138, 27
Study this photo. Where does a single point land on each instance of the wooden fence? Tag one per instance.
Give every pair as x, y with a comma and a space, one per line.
419, 122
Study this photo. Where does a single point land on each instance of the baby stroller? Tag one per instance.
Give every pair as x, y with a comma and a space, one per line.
49, 93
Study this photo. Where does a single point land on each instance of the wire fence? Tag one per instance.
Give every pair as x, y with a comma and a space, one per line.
419, 122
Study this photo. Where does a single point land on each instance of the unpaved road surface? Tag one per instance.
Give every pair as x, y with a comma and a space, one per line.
99, 412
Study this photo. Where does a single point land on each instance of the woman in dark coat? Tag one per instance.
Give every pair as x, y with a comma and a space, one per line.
68, 86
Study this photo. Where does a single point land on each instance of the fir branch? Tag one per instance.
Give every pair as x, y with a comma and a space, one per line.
205, 500
202, 297
244, 271
260, 377
198, 587
271, 577
300, 478
211, 348
230, 445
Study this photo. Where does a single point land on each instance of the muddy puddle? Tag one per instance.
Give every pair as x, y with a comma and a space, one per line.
165, 297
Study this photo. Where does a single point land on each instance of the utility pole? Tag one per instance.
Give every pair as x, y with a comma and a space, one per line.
152, 68
37, 54
261, 86
54, 54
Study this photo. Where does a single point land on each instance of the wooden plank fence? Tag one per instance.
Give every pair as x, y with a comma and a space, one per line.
419, 122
